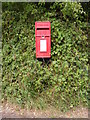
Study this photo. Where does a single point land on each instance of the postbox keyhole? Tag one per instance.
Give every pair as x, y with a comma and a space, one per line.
42, 36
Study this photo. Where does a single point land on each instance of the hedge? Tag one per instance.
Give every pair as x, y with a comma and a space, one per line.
62, 80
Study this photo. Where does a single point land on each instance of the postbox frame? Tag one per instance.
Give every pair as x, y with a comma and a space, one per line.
44, 26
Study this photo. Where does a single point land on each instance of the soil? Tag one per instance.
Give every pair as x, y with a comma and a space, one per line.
8, 110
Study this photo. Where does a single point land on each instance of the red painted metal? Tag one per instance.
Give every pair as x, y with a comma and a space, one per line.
43, 32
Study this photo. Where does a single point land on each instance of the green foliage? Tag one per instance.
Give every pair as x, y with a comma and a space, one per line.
61, 81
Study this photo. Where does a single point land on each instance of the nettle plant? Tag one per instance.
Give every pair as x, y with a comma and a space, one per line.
61, 81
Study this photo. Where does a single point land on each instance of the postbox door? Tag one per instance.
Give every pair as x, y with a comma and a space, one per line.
43, 46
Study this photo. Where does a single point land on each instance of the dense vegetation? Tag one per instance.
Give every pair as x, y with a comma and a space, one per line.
61, 81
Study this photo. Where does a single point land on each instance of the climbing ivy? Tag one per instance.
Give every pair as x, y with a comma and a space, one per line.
62, 80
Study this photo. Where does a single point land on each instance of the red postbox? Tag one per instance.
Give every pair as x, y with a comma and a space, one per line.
43, 39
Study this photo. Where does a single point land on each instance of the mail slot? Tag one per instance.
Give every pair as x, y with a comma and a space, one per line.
43, 39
